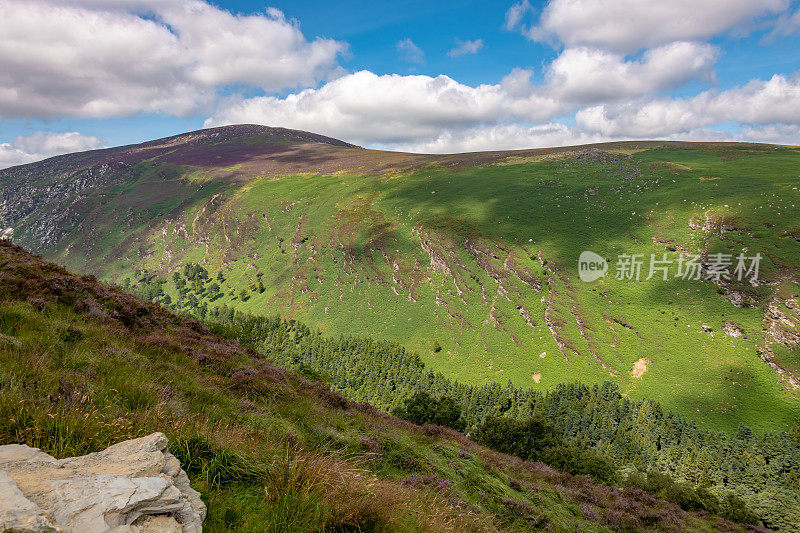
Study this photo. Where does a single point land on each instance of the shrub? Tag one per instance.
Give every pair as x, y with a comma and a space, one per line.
735, 509
537, 440
422, 409
692, 499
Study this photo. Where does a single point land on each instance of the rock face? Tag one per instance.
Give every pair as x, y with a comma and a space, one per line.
135, 486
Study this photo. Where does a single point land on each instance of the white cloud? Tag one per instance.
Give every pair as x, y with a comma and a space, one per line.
770, 133
772, 102
41, 145
787, 24
515, 15
500, 137
589, 75
114, 58
627, 26
366, 108
552, 134
100, 58
266, 51
466, 47
421, 113
410, 52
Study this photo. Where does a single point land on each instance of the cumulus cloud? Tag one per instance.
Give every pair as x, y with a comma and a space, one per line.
96, 58
616, 61
500, 137
757, 103
587, 74
770, 133
410, 52
421, 113
520, 136
368, 108
101, 58
627, 26
41, 145
465, 47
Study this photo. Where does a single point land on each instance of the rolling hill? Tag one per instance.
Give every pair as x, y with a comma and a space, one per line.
471, 260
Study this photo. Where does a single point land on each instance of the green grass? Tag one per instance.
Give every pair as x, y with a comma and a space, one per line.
343, 254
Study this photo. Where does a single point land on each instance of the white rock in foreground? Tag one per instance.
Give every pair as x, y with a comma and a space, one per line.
135, 486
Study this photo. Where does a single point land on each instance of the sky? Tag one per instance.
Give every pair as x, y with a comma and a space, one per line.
422, 76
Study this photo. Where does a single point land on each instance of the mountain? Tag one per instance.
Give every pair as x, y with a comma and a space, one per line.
470, 260
84, 365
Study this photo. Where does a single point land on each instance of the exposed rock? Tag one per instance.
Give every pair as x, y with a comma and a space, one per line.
18, 513
707, 329
741, 299
718, 224
780, 323
135, 486
733, 329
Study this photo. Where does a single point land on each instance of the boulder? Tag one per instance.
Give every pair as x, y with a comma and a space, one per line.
135, 486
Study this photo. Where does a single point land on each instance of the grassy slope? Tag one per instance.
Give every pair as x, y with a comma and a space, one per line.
83, 366
344, 252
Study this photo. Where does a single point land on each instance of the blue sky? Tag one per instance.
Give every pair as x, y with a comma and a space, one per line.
410, 75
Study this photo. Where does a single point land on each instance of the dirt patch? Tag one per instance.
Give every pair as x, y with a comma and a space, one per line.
537, 377
668, 165
708, 178
640, 367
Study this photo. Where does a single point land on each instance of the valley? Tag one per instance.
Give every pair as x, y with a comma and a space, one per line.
469, 260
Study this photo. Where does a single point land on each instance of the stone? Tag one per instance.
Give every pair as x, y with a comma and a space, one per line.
733, 329
135, 486
18, 513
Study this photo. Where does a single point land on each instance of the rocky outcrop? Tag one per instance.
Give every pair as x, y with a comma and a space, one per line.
733, 329
781, 325
741, 299
135, 486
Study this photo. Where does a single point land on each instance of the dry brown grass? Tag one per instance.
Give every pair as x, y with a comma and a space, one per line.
344, 495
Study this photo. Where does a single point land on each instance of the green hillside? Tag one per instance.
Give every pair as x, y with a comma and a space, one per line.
469, 260
83, 365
